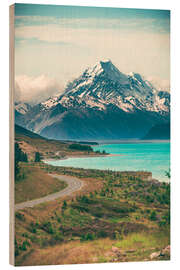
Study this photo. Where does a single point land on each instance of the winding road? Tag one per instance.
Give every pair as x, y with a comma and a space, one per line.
74, 184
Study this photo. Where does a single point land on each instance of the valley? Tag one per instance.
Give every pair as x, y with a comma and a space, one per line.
114, 217
75, 214
90, 120
104, 217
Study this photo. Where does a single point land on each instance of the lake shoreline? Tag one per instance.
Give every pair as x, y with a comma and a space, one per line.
152, 157
131, 141
81, 156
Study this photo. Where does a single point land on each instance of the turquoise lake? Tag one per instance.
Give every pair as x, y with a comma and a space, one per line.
154, 157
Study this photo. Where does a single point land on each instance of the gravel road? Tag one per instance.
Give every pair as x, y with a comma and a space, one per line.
74, 184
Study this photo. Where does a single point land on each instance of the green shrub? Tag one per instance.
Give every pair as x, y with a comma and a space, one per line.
24, 245
25, 234
47, 226
153, 216
117, 235
58, 236
102, 234
84, 199
59, 219
38, 157
88, 237
64, 206
33, 227
149, 199
80, 147
165, 219
20, 216
16, 248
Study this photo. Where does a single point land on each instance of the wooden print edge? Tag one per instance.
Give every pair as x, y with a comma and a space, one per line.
11, 134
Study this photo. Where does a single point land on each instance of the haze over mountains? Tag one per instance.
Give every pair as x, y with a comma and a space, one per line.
102, 103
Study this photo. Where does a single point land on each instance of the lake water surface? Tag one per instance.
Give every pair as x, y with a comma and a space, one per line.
154, 157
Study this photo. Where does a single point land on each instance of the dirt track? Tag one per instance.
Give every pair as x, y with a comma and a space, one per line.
74, 184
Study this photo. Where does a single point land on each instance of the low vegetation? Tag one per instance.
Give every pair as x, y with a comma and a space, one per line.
38, 157
30, 143
35, 183
125, 218
134, 247
19, 156
80, 147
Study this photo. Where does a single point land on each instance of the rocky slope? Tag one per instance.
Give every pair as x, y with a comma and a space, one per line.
102, 103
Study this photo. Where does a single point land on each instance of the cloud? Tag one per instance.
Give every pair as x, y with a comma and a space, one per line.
135, 23
145, 53
140, 45
160, 84
35, 89
83, 36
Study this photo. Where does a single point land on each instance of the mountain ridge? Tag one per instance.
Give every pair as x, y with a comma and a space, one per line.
104, 84
158, 132
101, 103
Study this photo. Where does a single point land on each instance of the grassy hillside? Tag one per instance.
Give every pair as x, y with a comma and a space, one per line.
115, 217
20, 131
134, 247
31, 143
35, 183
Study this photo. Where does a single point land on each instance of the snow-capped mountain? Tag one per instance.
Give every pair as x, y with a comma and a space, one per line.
104, 84
101, 103
22, 108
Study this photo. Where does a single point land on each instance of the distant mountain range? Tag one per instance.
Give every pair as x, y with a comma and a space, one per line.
20, 131
103, 103
22, 108
160, 132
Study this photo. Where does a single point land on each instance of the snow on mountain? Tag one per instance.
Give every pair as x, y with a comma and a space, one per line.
103, 85
51, 102
102, 103
22, 108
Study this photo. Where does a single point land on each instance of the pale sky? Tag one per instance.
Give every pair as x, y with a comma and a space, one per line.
54, 44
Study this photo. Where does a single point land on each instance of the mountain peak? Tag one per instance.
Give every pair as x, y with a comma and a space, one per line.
105, 62
103, 85
107, 68
22, 108
100, 66
101, 103
136, 76
94, 70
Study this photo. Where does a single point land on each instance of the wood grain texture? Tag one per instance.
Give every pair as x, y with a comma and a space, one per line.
11, 133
